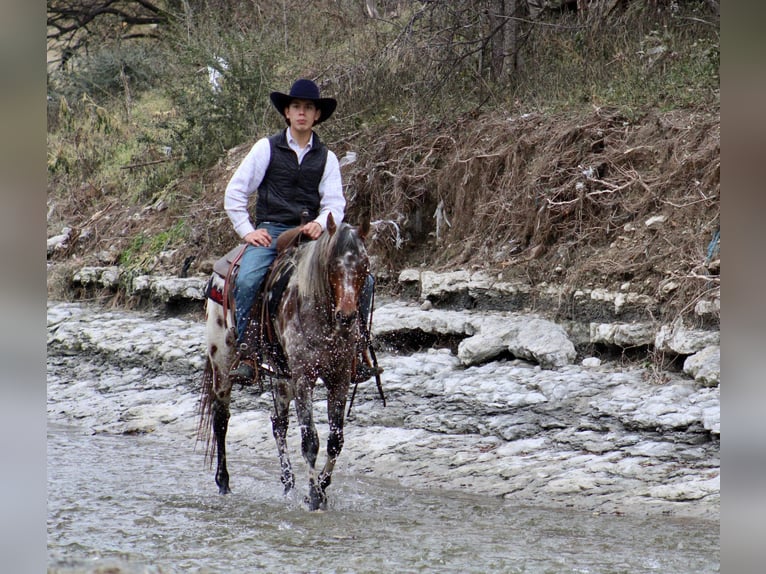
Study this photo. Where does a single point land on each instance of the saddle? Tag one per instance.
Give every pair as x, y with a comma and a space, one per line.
227, 268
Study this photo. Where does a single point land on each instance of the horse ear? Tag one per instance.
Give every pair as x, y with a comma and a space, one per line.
364, 228
331, 227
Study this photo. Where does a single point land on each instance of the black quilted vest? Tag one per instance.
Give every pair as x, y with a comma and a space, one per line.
288, 188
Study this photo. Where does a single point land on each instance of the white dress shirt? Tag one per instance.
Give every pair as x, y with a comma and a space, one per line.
249, 176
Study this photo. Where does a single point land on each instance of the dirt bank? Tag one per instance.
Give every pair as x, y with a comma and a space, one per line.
593, 199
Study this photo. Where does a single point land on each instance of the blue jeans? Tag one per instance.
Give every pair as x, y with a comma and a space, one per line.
253, 266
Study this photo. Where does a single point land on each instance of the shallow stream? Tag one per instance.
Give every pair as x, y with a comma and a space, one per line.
124, 499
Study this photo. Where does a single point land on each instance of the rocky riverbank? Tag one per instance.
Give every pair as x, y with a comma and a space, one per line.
486, 401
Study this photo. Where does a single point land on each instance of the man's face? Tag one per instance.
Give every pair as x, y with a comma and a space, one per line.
303, 114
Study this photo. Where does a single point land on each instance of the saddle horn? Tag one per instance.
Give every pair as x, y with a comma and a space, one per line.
331, 226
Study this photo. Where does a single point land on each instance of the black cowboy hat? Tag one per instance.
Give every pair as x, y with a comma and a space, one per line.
304, 90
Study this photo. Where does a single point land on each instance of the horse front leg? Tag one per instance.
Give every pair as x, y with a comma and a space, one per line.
316, 499
336, 406
279, 424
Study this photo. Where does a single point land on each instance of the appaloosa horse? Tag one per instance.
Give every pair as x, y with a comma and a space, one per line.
316, 334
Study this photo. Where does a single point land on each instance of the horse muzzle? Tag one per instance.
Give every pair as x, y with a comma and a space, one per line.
345, 319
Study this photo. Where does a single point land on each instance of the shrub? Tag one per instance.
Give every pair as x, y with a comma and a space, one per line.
112, 70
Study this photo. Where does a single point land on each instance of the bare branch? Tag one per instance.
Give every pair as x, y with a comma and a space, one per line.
69, 20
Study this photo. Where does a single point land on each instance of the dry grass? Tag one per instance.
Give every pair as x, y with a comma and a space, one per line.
541, 198
549, 196
560, 198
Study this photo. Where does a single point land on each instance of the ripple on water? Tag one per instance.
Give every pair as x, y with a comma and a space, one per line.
145, 503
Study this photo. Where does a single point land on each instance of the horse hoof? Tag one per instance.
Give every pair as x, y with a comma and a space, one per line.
315, 506
289, 482
223, 484
316, 499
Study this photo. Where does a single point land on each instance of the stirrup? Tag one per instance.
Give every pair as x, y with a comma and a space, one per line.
244, 373
364, 372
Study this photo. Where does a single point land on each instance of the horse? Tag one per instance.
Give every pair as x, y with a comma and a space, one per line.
316, 332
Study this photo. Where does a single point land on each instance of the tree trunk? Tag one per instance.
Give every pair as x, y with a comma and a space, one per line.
504, 28
511, 47
497, 38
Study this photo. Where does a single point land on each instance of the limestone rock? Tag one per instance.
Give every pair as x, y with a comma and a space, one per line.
58, 242
167, 289
98, 276
705, 366
545, 342
681, 340
622, 334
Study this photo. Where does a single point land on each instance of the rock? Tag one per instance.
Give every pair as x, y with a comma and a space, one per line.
620, 301
409, 276
486, 335
482, 285
681, 340
480, 349
622, 334
59, 242
409, 280
480, 289
108, 256
668, 286
166, 289
687, 489
482, 334
705, 308
591, 362
605, 440
438, 285
655, 221
108, 277
394, 318
545, 342
705, 366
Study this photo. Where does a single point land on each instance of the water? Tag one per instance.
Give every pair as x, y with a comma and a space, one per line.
141, 502
128, 493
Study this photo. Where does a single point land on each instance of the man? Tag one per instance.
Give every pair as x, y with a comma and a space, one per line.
298, 182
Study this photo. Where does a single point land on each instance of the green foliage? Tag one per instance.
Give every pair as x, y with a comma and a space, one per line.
430, 60
81, 145
111, 70
143, 248
636, 61
129, 255
93, 136
132, 118
91, 144
212, 119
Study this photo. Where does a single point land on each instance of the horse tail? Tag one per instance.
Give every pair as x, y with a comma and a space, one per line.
205, 411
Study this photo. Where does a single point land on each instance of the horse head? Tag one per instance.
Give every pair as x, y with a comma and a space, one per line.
348, 269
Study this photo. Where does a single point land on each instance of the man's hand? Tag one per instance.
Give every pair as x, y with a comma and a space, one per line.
259, 238
312, 230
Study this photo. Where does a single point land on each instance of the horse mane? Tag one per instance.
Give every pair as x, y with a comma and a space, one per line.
314, 257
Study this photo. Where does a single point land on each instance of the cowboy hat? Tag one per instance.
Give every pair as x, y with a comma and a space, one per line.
304, 90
